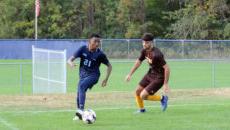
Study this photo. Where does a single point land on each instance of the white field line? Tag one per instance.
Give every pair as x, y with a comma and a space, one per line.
6, 123
112, 108
41, 78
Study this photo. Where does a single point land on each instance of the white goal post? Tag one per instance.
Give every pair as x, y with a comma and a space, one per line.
49, 70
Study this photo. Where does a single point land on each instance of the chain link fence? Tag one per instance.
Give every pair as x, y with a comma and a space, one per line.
172, 49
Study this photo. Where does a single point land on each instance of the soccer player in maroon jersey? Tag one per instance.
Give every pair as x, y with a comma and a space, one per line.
156, 77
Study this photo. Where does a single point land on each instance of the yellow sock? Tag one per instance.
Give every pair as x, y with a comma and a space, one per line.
154, 97
140, 102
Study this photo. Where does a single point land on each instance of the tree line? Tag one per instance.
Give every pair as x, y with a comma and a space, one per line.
67, 19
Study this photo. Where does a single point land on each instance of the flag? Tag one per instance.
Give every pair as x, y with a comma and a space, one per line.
37, 7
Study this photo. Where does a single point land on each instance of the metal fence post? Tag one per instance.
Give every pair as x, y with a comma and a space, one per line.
213, 65
213, 74
65, 76
128, 47
20, 78
182, 44
101, 45
48, 60
33, 69
211, 49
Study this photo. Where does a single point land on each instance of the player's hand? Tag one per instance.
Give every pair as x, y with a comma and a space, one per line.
149, 60
166, 89
72, 65
104, 83
128, 78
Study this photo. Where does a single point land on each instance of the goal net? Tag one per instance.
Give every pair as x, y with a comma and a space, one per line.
49, 70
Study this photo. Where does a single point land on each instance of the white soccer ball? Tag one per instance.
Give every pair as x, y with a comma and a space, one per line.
89, 116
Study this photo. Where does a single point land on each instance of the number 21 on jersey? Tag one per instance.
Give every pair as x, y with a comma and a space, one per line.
87, 62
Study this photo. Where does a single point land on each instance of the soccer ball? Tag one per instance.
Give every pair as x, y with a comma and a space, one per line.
89, 116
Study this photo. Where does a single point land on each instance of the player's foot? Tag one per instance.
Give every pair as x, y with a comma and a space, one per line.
140, 111
164, 103
78, 115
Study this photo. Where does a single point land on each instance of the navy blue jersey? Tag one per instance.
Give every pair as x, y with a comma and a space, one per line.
90, 61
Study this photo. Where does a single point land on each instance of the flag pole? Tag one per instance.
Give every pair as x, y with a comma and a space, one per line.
37, 11
36, 26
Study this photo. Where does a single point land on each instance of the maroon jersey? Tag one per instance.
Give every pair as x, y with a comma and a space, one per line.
158, 61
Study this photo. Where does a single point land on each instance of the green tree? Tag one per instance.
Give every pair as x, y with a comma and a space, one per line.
200, 19
187, 19
227, 31
16, 19
130, 15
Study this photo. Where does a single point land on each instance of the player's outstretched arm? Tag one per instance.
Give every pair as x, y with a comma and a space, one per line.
166, 79
136, 65
109, 69
70, 62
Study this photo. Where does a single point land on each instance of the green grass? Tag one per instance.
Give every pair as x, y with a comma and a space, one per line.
210, 116
184, 75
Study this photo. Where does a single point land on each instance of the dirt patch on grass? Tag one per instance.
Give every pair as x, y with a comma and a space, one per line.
52, 100
224, 92
67, 101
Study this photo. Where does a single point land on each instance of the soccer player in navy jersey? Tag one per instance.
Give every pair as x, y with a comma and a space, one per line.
91, 58
156, 77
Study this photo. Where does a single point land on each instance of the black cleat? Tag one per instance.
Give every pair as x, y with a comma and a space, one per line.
140, 111
78, 115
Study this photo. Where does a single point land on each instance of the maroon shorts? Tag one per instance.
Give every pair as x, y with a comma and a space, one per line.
151, 83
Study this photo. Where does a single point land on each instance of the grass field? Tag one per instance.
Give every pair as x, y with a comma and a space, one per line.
194, 103
205, 109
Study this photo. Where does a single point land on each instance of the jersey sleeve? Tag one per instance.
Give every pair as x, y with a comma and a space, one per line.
158, 57
104, 59
142, 56
162, 62
78, 52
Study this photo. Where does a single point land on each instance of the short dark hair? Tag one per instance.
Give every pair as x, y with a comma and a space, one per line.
94, 35
147, 37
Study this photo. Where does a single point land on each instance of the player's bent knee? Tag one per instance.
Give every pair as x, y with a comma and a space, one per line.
144, 95
139, 89
138, 92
